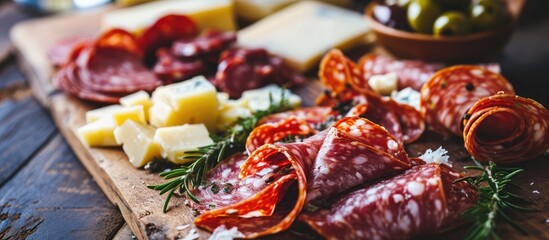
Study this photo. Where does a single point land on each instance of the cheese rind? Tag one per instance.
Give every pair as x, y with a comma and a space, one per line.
205, 13
140, 98
137, 142
303, 32
98, 133
177, 141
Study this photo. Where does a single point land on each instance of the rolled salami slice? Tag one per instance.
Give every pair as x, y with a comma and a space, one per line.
422, 200
506, 128
447, 96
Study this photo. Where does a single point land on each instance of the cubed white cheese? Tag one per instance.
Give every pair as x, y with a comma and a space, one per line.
178, 140
301, 33
137, 142
384, 84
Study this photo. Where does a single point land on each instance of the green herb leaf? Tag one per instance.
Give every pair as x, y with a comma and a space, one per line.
190, 176
495, 201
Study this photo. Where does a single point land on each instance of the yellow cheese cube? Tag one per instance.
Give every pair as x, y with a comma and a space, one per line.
130, 2
177, 141
135, 113
96, 114
138, 143
258, 99
301, 33
162, 115
191, 101
205, 13
229, 116
98, 133
140, 98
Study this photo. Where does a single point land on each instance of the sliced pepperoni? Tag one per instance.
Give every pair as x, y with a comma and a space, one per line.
114, 70
210, 42
313, 115
447, 96
164, 32
118, 38
171, 69
60, 53
274, 132
505, 128
419, 201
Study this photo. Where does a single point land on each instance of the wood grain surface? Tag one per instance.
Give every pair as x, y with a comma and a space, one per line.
125, 186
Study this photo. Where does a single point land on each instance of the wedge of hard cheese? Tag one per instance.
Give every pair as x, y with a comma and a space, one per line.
206, 13
257, 9
303, 32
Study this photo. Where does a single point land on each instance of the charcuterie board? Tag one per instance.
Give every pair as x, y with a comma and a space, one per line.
126, 186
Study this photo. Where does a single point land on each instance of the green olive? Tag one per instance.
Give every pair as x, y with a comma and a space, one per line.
487, 14
451, 23
422, 14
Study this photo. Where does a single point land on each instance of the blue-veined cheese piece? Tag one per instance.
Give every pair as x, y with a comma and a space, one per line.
260, 99
137, 142
301, 33
217, 14
177, 141
191, 101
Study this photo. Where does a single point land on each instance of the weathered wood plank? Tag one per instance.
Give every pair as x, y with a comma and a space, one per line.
25, 125
9, 15
54, 197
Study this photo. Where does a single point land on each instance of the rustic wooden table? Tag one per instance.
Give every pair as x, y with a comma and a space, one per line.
46, 193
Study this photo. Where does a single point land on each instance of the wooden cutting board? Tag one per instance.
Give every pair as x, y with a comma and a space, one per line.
125, 186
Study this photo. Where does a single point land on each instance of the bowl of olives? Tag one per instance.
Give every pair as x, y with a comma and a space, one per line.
443, 30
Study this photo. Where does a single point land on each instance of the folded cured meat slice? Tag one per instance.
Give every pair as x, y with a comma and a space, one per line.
410, 73
422, 200
447, 96
280, 164
506, 128
275, 132
114, 70
355, 150
336, 74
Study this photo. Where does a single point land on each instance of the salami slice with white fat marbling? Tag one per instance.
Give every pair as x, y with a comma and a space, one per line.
275, 132
353, 139
422, 200
447, 96
506, 128
355, 150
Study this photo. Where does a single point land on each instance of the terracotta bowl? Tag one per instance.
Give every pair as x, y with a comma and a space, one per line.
466, 48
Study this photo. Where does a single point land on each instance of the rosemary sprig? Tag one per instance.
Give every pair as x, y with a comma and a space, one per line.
188, 177
495, 201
